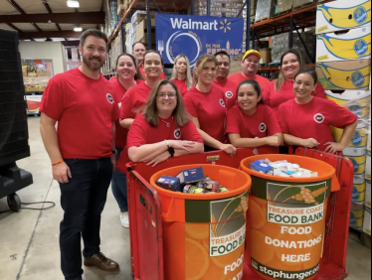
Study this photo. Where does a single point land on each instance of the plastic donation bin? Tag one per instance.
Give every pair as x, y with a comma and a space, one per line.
204, 234
286, 219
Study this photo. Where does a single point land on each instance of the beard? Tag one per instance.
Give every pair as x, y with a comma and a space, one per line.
94, 63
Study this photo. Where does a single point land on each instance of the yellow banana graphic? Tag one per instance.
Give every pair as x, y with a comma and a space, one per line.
347, 49
347, 18
346, 79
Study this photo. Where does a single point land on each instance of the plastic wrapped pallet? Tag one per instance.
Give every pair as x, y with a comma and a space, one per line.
297, 4
283, 6
280, 44
265, 9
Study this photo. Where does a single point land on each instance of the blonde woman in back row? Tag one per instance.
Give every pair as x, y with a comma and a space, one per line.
181, 75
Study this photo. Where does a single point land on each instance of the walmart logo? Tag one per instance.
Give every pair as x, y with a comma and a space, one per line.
225, 25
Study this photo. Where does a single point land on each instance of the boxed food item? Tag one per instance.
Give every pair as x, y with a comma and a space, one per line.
343, 15
262, 166
368, 193
348, 45
357, 216
359, 192
190, 176
346, 74
358, 157
367, 220
169, 183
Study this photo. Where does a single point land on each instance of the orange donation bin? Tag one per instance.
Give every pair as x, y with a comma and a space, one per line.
204, 234
286, 219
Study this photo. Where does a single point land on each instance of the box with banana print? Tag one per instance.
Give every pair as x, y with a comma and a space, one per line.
348, 45
343, 15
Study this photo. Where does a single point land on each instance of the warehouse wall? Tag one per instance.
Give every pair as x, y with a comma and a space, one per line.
44, 50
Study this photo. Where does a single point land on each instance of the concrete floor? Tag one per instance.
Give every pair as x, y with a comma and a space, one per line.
29, 239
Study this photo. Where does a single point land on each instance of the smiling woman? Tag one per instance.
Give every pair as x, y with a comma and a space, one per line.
164, 117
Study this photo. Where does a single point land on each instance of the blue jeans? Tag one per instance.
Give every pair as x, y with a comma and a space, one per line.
119, 186
82, 200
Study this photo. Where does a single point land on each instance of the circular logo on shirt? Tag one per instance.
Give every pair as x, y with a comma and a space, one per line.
319, 118
109, 98
262, 127
229, 94
222, 103
177, 133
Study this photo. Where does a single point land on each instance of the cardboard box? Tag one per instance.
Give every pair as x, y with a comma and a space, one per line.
169, 183
359, 192
368, 193
358, 158
265, 56
367, 221
190, 176
346, 74
353, 44
141, 31
343, 15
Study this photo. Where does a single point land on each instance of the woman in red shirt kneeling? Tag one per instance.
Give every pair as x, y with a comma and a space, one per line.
306, 120
163, 130
251, 123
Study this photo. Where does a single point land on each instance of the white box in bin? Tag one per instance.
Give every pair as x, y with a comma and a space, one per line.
367, 220
343, 15
348, 45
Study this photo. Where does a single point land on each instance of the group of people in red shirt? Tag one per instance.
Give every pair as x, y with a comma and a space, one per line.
157, 119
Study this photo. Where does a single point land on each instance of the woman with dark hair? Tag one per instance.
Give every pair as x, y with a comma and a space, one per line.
163, 130
134, 99
281, 90
128, 76
206, 104
306, 120
251, 123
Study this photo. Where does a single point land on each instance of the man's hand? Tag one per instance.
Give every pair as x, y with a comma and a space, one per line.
62, 173
160, 158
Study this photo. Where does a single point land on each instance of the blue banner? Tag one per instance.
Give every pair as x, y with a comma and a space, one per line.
197, 35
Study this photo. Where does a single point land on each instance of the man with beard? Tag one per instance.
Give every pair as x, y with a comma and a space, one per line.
229, 88
81, 152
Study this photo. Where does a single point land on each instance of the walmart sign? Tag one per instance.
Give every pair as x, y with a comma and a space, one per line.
197, 35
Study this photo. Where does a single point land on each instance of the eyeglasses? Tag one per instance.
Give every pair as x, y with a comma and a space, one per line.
164, 95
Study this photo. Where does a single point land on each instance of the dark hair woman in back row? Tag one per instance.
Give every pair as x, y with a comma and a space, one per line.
251, 123
306, 120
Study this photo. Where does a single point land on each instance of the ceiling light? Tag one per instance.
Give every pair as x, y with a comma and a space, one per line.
73, 4
78, 29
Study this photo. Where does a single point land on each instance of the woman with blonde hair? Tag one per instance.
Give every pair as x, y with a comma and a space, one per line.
206, 104
163, 130
181, 75
281, 90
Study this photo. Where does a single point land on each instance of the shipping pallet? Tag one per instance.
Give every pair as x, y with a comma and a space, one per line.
258, 21
304, 5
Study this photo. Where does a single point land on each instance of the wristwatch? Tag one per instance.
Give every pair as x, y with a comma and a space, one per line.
171, 151
114, 152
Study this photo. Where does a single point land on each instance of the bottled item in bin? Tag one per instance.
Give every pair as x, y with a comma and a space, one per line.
223, 189
193, 189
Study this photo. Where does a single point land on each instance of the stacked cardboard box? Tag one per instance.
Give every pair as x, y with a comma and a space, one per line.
344, 64
265, 9
219, 8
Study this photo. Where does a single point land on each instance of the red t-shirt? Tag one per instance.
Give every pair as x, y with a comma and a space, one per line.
121, 132
229, 88
181, 85
162, 75
286, 93
85, 110
141, 133
210, 109
314, 119
113, 79
261, 124
262, 81
134, 100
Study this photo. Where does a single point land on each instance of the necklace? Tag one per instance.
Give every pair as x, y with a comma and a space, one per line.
167, 123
